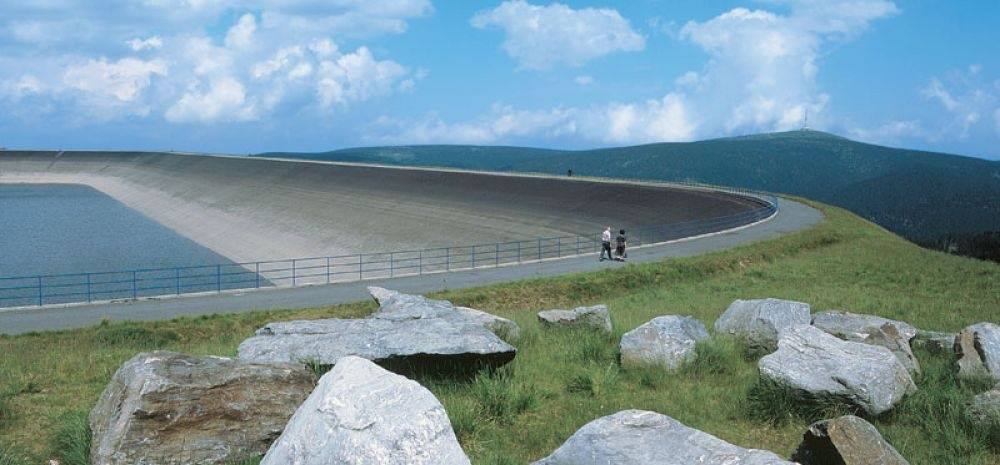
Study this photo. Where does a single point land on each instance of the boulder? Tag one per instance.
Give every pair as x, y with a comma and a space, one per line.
984, 409
666, 341
851, 326
169, 408
887, 336
638, 437
396, 306
816, 364
760, 322
934, 342
595, 317
978, 350
436, 344
361, 414
847, 440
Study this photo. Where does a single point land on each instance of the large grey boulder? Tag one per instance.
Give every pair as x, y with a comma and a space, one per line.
394, 305
403, 345
596, 317
847, 325
816, 364
978, 350
666, 341
984, 409
168, 408
760, 322
870, 329
934, 342
638, 437
361, 414
847, 440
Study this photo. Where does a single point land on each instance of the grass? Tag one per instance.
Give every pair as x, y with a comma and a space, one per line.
561, 380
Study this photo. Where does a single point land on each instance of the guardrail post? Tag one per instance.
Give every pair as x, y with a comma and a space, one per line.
559, 246
519, 251
293, 272
218, 278
539, 248
577, 245
88, 288
420, 262
392, 264
496, 254
177, 280
39, 291
361, 266
328, 270
135, 291
257, 273
473, 253
447, 258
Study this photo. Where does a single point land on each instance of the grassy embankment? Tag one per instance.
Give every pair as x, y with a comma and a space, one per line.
563, 379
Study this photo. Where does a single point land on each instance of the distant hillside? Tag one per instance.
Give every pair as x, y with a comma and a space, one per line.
919, 195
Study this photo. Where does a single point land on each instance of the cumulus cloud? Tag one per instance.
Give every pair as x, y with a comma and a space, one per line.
584, 80
760, 74
541, 37
277, 53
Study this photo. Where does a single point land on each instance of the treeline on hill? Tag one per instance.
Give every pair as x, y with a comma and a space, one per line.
916, 194
984, 246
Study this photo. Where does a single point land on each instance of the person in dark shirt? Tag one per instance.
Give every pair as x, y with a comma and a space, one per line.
621, 241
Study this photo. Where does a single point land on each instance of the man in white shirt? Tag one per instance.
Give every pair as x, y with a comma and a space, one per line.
606, 243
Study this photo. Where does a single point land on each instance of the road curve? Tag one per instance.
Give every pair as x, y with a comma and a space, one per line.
792, 216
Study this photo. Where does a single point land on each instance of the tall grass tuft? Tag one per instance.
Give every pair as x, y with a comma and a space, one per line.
12, 456
942, 397
501, 397
775, 403
72, 439
719, 355
6, 411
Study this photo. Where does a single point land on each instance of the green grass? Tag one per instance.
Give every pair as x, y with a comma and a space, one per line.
561, 380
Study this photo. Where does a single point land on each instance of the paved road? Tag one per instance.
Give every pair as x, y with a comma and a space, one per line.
793, 216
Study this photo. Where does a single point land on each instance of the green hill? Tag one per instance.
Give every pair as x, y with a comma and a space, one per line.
919, 195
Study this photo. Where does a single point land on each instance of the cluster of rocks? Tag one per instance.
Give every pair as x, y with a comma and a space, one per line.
169, 408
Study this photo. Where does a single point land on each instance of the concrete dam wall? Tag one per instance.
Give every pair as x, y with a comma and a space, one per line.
251, 209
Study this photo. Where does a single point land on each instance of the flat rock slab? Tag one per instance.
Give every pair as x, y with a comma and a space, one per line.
760, 322
978, 350
394, 305
361, 414
817, 364
596, 317
665, 341
638, 437
436, 344
847, 440
169, 408
847, 325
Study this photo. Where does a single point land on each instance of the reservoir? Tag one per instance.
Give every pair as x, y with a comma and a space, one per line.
54, 229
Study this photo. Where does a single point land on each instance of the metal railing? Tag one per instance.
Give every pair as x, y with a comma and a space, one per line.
154, 282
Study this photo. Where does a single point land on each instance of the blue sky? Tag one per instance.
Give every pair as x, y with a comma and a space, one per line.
240, 76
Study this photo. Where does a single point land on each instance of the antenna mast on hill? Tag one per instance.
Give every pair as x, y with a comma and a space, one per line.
805, 121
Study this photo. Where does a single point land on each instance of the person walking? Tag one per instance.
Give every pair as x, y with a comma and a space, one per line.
620, 246
606, 243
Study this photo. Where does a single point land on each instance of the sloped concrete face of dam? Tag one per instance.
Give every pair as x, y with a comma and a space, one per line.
258, 209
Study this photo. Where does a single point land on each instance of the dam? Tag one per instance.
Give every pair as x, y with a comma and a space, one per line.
264, 212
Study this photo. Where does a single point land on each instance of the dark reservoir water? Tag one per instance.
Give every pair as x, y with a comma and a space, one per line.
54, 229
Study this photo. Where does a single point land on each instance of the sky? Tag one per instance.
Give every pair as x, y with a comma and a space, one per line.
241, 76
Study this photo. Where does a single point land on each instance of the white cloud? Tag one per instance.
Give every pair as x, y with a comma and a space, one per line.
151, 43
355, 77
541, 37
966, 98
760, 75
583, 80
241, 34
124, 79
224, 100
